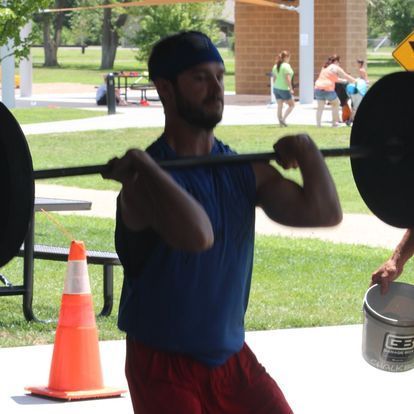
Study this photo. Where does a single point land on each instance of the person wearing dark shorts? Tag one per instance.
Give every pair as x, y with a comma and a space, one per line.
185, 238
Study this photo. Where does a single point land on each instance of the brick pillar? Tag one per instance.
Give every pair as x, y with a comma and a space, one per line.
262, 32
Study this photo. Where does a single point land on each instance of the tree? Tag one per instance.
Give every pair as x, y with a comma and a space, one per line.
86, 25
52, 25
390, 17
113, 21
158, 21
402, 16
14, 15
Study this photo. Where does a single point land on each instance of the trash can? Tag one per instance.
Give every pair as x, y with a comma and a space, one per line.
110, 94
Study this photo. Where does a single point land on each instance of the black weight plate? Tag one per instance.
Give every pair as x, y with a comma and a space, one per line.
16, 186
386, 117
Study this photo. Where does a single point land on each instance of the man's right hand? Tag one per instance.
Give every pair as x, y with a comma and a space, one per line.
125, 169
385, 274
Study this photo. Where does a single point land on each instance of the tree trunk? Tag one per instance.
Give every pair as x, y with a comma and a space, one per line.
49, 45
51, 41
110, 38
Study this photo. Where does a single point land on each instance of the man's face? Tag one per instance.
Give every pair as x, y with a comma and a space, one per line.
199, 95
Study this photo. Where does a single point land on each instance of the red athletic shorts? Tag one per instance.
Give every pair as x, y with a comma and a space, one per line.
166, 383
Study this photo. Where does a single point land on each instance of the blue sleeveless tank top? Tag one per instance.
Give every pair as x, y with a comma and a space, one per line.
193, 303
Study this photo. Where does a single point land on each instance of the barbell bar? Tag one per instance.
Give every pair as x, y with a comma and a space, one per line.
209, 160
381, 149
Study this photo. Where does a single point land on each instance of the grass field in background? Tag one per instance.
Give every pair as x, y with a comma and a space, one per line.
84, 68
39, 114
76, 67
296, 283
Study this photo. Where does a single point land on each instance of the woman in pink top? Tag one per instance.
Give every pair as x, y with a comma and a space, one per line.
325, 88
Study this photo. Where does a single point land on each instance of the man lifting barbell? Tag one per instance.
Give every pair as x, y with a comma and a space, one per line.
186, 238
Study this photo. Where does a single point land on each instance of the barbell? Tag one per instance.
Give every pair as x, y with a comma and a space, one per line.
381, 154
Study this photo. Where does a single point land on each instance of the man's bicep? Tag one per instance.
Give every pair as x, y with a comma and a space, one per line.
276, 195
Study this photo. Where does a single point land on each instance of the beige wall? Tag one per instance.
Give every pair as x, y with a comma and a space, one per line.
262, 32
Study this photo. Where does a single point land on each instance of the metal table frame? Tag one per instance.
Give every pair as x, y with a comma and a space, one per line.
125, 77
48, 204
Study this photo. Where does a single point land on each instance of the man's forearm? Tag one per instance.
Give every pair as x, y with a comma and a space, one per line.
155, 200
405, 248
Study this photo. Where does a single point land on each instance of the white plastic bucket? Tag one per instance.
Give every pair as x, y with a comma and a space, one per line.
388, 332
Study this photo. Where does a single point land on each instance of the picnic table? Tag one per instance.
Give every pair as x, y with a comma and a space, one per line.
140, 82
26, 290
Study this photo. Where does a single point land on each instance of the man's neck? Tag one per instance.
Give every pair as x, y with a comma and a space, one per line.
188, 141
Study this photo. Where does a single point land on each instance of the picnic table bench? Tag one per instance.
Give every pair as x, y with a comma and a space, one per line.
143, 87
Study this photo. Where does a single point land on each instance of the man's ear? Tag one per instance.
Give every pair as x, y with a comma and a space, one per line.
164, 88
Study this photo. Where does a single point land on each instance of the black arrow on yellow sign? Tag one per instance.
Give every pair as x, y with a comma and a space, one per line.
412, 45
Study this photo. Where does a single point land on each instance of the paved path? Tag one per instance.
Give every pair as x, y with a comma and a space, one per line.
320, 370
237, 111
354, 229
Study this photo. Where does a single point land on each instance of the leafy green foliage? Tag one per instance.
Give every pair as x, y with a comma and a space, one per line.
85, 25
160, 21
390, 17
13, 17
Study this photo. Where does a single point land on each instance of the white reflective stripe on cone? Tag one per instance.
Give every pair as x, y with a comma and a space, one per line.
77, 278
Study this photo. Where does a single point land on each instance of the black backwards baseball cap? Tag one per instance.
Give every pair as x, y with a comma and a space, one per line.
178, 52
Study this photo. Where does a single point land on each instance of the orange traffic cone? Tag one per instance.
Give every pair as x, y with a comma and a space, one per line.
75, 372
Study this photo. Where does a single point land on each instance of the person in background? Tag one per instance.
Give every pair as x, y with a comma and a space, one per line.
394, 266
330, 74
362, 73
101, 95
185, 238
356, 92
282, 86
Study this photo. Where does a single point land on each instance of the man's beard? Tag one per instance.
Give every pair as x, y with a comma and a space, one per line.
196, 115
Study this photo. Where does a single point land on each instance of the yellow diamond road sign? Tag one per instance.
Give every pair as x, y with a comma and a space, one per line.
404, 53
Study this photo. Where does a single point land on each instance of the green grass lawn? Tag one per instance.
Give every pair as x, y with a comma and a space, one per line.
296, 283
76, 67
84, 68
49, 114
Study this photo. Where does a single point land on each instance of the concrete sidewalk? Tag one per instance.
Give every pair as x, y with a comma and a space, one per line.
320, 370
238, 110
354, 229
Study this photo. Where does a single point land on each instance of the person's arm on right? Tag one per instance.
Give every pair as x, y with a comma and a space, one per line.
343, 75
394, 266
151, 198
